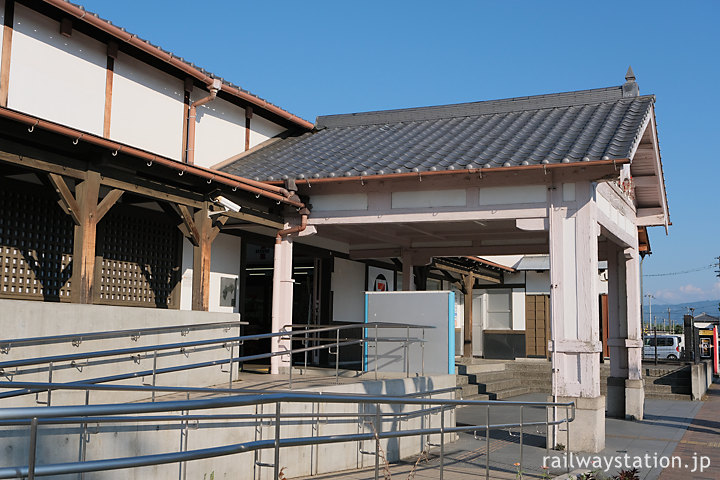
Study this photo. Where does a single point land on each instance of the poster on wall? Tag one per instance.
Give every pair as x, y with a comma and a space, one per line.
380, 280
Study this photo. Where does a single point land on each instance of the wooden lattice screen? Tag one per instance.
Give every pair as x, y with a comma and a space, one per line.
140, 252
137, 250
36, 242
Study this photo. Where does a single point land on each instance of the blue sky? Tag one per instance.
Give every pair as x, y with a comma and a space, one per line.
325, 57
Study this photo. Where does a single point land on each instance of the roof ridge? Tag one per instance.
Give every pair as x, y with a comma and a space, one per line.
467, 109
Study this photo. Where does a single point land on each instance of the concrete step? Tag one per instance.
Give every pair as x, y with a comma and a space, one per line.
479, 396
489, 377
668, 396
469, 390
498, 385
512, 392
480, 368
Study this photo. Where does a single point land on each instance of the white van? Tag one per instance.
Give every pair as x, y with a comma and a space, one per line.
668, 346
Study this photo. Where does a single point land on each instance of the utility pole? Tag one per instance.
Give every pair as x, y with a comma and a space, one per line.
650, 296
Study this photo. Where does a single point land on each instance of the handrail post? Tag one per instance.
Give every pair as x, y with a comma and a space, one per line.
567, 438
377, 441
521, 436
232, 358
376, 352
442, 441
290, 369
337, 356
277, 441
50, 373
154, 374
547, 432
83, 435
33, 448
487, 444
407, 353
422, 353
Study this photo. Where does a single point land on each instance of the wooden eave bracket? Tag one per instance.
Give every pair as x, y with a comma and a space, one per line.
67, 201
190, 229
107, 202
218, 222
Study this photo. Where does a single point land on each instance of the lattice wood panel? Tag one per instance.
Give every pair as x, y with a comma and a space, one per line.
140, 259
36, 242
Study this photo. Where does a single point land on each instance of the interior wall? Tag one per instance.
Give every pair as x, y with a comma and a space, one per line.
348, 287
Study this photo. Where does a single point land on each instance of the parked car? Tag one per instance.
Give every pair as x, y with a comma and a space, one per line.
668, 346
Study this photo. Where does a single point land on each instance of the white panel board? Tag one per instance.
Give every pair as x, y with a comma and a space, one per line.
537, 283
518, 309
348, 287
568, 190
434, 309
570, 311
54, 77
339, 202
147, 108
380, 279
219, 130
512, 195
429, 199
262, 129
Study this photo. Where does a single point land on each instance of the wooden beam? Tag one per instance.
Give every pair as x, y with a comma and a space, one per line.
136, 186
107, 202
466, 272
67, 200
8, 19
189, 223
83, 274
112, 51
248, 217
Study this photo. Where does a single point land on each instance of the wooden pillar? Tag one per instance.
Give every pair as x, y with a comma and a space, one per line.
8, 16
201, 260
407, 273
86, 212
575, 311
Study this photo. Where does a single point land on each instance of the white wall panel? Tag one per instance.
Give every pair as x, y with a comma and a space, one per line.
54, 77
224, 262
339, 202
429, 199
2, 21
537, 283
261, 130
147, 108
513, 195
518, 308
348, 286
219, 130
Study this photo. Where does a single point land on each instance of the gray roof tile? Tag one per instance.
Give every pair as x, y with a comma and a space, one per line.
587, 125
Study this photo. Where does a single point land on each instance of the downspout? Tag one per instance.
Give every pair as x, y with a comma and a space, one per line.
192, 114
304, 212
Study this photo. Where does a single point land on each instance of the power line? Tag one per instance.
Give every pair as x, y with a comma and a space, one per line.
667, 274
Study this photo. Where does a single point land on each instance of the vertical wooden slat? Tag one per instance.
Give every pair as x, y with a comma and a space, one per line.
109, 75
9, 15
248, 116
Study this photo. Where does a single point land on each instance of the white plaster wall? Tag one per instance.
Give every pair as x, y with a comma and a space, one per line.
55, 77
512, 195
518, 309
224, 262
261, 130
147, 108
339, 202
537, 283
429, 199
219, 130
348, 286
2, 21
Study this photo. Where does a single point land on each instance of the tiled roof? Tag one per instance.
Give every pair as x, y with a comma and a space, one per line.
588, 125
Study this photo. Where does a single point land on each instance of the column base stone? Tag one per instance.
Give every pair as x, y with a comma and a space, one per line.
616, 397
587, 430
634, 399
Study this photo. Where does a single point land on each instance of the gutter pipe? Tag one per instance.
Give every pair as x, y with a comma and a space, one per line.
269, 191
157, 52
192, 114
297, 229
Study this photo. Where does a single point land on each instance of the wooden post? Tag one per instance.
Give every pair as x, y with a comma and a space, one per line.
86, 212
201, 261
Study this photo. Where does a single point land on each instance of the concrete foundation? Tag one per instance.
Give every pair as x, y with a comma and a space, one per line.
634, 399
587, 431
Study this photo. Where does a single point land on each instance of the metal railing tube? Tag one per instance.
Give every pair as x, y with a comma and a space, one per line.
442, 441
33, 448
521, 437
376, 352
337, 357
487, 444
154, 374
567, 432
377, 441
276, 465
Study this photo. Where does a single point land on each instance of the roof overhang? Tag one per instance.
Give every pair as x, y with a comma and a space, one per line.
648, 179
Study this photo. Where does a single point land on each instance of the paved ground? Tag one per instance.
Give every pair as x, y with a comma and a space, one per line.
683, 428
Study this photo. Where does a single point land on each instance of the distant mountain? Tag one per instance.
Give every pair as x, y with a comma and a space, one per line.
678, 310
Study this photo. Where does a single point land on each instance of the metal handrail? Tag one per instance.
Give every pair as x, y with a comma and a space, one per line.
84, 413
5, 345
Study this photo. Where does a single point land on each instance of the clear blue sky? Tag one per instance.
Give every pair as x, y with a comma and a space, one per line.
324, 57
